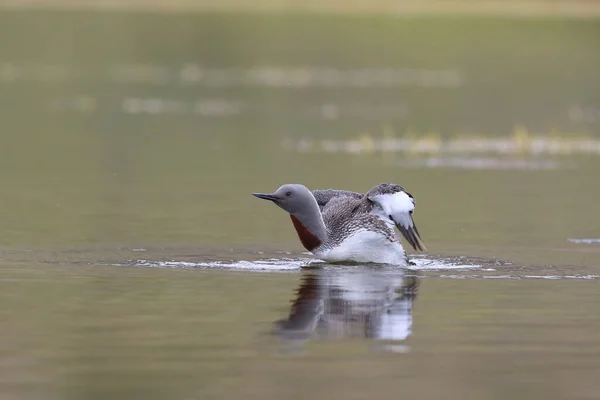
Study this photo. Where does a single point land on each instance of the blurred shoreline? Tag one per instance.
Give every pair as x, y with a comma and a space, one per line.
525, 8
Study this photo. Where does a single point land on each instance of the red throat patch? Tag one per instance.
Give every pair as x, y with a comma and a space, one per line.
309, 241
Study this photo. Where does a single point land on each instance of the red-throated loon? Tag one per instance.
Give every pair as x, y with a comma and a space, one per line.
339, 225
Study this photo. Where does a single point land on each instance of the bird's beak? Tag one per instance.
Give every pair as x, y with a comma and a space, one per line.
265, 196
411, 234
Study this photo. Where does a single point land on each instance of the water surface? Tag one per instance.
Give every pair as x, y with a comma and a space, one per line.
134, 263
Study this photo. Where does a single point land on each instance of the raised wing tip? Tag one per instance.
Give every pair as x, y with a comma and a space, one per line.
411, 234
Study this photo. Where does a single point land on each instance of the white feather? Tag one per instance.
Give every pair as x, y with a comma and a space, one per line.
397, 205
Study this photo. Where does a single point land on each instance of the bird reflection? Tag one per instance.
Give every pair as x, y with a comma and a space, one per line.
350, 303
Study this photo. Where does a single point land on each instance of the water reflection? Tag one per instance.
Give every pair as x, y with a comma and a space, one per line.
350, 303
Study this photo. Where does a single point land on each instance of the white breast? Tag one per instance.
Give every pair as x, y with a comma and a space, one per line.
365, 246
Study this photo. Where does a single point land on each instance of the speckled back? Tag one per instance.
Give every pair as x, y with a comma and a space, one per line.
345, 215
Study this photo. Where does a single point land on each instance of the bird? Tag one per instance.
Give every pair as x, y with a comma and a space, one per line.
341, 226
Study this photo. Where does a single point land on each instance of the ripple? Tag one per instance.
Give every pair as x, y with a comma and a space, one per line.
270, 264
585, 241
293, 264
520, 277
428, 264
432, 267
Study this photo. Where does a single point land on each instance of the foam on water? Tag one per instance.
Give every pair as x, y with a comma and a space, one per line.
270, 264
441, 264
462, 267
290, 264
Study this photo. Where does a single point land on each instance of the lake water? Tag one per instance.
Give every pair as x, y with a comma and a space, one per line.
134, 263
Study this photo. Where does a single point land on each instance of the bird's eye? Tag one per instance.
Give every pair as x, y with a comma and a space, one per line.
288, 194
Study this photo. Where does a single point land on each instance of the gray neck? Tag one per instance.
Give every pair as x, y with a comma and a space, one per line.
312, 219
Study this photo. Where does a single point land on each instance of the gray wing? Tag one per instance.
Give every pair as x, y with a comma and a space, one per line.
324, 196
386, 188
388, 201
343, 215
